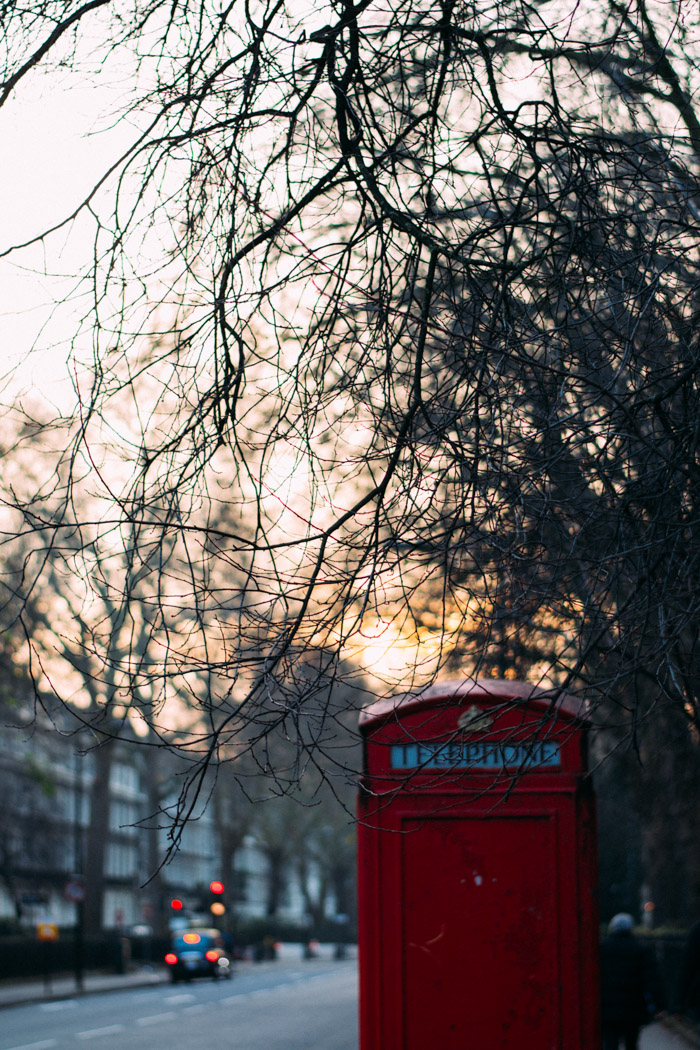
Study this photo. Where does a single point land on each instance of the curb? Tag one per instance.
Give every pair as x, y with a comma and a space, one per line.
22, 993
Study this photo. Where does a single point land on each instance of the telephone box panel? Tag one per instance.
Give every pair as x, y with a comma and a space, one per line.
478, 919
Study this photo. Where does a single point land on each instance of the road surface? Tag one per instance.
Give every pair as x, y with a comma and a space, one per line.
312, 1007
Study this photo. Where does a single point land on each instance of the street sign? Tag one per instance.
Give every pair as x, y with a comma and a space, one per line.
33, 898
47, 930
74, 891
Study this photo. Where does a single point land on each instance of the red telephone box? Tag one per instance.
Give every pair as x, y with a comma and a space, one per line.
478, 924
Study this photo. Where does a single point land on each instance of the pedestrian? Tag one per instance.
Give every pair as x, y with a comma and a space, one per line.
689, 985
631, 990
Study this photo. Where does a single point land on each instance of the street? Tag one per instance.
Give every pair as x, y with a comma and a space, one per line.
304, 1007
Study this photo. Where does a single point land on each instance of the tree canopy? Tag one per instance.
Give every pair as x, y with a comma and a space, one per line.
388, 329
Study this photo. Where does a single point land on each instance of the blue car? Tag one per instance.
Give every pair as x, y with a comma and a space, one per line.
198, 953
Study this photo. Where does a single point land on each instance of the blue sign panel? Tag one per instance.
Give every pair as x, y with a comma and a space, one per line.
476, 754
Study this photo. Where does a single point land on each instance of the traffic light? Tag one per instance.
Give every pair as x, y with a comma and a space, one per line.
217, 906
176, 904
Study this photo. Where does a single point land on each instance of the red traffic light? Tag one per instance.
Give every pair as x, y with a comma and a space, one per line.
176, 904
216, 886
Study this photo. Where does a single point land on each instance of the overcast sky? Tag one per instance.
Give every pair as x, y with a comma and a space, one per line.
53, 153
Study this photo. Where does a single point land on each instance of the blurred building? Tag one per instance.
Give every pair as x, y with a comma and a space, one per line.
90, 817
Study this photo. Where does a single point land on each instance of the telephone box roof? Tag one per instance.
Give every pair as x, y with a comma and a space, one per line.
474, 690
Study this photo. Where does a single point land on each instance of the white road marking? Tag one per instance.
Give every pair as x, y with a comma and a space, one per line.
97, 1033
156, 1018
43, 1045
62, 1004
184, 997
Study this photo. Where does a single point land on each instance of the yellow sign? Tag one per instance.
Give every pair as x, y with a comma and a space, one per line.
47, 931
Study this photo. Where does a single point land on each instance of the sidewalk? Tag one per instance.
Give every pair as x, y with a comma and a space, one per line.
13, 993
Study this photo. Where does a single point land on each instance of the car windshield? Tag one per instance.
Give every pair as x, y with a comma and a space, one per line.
197, 940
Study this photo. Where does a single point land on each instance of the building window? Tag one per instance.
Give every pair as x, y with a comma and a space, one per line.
124, 779
121, 860
122, 815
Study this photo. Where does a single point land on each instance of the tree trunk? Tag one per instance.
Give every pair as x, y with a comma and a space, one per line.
276, 881
670, 805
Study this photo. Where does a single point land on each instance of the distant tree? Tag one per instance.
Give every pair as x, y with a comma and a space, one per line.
393, 319
325, 863
234, 816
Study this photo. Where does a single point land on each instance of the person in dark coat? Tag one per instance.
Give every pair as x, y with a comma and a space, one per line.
689, 985
631, 991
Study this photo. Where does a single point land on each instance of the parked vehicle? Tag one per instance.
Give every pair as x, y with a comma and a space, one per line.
198, 953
